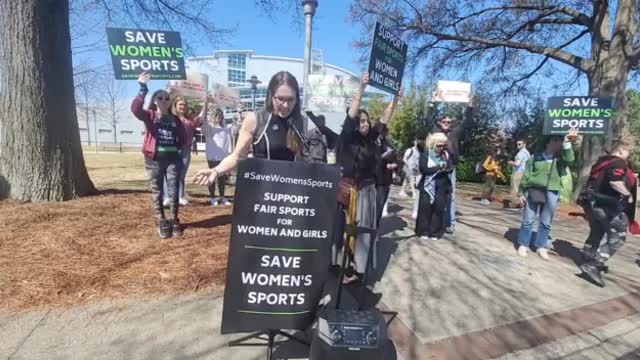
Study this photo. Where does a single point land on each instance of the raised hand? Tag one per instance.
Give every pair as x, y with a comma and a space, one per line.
144, 77
365, 79
572, 136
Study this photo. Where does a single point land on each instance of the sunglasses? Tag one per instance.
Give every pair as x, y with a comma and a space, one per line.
440, 146
162, 98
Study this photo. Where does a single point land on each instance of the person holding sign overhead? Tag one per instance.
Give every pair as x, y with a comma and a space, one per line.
359, 157
272, 132
164, 135
540, 188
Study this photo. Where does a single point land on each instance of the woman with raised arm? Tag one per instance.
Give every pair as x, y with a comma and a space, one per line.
164, 135
180, 108
358, 155
271, 132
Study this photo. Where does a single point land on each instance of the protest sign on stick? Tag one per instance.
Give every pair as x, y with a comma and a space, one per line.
331, 93
590, 115
280, 246
225, 96
387, 61
195, 87
157, 51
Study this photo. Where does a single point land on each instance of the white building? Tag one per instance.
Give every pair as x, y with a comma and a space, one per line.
231, 68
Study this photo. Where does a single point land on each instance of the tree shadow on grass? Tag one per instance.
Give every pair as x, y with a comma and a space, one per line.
107, 192
219, 220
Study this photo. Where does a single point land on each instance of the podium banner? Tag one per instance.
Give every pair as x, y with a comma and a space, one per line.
280, 246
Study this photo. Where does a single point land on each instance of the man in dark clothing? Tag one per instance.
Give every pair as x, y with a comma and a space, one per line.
608, 200
445, 125
387, 165
321, 138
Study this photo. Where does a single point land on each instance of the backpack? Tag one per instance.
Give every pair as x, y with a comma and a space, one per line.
594, 183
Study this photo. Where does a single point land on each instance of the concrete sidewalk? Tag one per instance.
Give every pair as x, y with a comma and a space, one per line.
468, 297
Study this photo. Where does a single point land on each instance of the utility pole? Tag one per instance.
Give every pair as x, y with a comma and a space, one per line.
309, 7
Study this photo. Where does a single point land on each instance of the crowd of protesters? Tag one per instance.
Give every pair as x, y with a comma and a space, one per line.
369, 162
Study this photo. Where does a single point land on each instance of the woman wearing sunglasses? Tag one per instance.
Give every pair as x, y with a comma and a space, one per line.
164, 135
434, 187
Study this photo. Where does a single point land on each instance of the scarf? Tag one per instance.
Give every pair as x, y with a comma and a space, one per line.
429, 183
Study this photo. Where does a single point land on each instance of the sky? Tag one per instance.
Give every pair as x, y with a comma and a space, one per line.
253, 30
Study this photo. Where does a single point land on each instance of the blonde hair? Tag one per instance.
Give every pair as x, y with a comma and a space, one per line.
174, 105
436, 139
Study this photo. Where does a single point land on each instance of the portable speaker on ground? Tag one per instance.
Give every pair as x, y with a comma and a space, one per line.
351, 335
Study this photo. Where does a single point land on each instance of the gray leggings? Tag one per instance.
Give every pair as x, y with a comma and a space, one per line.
157, 171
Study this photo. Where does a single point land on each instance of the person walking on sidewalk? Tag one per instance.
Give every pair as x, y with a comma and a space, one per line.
540, 187
164, 135
434, 187
180, 109
492, 172
411, 160
219, 144
608, 199
518, 165
453, 149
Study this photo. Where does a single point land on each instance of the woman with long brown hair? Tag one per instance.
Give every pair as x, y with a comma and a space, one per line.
180, 108
219, 144
270, 132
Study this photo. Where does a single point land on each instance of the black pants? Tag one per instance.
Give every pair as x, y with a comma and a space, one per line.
157, 170
221, 180
382, 194
432, 218
603, 222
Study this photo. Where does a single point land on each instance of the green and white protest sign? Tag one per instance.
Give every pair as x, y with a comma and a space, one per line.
331, 93
387, 61
590, 115
157, 51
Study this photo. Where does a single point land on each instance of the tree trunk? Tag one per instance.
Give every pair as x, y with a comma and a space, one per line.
607, 78
40, 154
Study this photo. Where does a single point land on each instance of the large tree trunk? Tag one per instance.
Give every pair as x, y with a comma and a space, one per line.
40, 154
607, 78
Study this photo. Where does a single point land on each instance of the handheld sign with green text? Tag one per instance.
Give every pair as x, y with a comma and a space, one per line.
388, 56
590, 115
158, 52
280, 247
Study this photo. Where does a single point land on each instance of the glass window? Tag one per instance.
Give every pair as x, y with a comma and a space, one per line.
236, 78
237, 61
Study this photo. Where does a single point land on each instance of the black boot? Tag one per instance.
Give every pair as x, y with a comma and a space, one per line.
176, 227
593, 273
165, 229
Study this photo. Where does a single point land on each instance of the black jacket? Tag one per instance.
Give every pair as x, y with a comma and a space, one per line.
454, 134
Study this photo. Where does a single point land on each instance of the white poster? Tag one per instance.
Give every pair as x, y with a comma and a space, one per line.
331, 93
452, 91
195, 87
226, 96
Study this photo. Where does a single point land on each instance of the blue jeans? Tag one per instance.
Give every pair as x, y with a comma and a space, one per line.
546, 218
452, 206
185, 156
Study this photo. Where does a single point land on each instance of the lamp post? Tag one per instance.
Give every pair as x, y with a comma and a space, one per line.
309, 7
254, 87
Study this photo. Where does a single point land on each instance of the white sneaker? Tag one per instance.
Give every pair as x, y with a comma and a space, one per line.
544, 253
225, 202
183, 202
214, 202
385, 212
166, 203
434, 238
485, 202
425, 238
522, 251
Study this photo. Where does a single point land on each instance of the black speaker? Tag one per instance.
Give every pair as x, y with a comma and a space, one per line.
351, 335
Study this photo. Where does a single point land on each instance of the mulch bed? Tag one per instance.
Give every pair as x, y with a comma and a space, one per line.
61, 254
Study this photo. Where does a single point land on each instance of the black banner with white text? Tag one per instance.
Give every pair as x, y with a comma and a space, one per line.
388, 57
590, 115
280, 246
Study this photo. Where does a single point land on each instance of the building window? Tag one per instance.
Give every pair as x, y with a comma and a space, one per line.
237, 61
236, 78
104, 131
123, 132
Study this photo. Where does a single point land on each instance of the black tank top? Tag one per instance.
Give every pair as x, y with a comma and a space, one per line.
271, 138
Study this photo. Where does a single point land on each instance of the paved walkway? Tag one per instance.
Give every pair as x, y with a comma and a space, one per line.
467, 297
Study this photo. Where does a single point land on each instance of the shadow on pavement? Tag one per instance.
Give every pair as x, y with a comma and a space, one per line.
567, 250
215, 221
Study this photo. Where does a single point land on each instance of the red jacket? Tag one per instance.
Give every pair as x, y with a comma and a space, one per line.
148, 117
